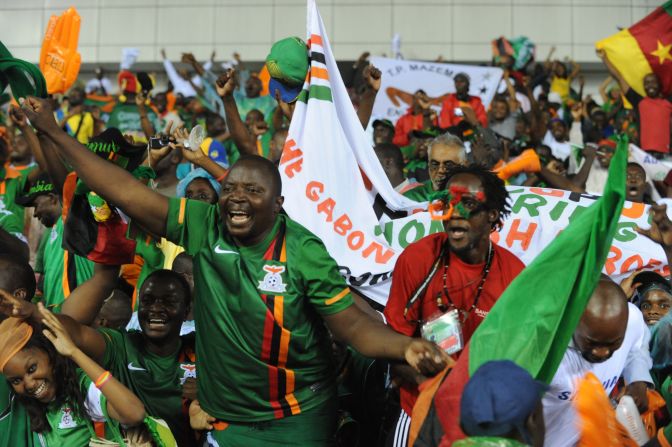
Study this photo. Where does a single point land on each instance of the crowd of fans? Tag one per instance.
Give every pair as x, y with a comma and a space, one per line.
142, 279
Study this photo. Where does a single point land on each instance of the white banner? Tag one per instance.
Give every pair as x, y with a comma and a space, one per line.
334, 185
402, 78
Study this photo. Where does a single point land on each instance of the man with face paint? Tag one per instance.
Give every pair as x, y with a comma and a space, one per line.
453, 107
611, 341
459, 269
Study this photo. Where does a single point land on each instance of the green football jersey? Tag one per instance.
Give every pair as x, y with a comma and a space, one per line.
126, 118
14, 420
156, 380
11, 214
263, 349
63, 271
153, 257
421, 193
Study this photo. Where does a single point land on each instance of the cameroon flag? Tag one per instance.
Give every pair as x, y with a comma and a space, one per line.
533, 321
645, 47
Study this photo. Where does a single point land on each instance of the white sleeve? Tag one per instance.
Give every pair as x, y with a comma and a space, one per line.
94, 404
639, 362
91, 85
179, 84
575, 134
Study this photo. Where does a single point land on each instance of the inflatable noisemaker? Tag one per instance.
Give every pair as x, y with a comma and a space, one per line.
59, 58
528, 161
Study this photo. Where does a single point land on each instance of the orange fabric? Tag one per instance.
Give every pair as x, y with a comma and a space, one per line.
447, 117
405, 124
427, 389
14, 334
170, 101
220, 425
64, 277
662, 439
656, 402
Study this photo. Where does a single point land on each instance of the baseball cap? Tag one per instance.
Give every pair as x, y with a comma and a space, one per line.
383, 122
498, 399
42, 185
288, 62
649, 281
287, 93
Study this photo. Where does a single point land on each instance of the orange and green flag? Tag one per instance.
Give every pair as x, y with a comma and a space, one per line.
643, 48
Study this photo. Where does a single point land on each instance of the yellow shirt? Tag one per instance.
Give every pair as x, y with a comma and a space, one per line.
561, 87
83, 133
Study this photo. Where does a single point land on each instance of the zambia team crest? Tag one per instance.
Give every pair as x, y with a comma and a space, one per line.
67, 420
189, 372
272, 282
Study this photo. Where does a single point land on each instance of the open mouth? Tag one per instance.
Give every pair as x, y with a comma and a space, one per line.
238, 217
633, 190
157, 323
652, 320
457, 232
41, 391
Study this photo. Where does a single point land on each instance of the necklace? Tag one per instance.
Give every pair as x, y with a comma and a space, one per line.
439, 296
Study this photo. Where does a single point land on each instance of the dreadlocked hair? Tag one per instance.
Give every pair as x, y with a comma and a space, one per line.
496, 196
67, 388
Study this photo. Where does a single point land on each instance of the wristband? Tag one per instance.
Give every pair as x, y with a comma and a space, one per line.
102, 380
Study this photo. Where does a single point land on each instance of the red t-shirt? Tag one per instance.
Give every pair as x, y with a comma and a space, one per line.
654, 121
407, 123
448, 118
463, 279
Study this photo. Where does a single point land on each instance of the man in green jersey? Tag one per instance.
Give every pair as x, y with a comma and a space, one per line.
18, 279
264, 289
63, 270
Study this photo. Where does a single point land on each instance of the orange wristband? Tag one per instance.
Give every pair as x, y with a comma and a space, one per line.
102, 380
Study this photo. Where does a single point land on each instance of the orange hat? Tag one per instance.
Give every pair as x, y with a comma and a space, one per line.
14, 334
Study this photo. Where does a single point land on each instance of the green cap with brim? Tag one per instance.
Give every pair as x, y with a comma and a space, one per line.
42, 185
288, 61
383, 122
24, 78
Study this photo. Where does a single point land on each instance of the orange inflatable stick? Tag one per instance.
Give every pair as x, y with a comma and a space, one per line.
59, 58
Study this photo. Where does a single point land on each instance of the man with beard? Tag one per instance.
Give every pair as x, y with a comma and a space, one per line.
265, 287
459, 269
611, 341
453, 107
443, 152
63, 271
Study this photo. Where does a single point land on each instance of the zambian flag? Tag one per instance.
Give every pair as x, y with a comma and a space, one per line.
533, 321
645, 47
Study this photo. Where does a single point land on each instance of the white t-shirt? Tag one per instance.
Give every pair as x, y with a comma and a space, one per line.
632, 361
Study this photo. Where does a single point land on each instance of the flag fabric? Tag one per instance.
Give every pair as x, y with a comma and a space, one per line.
534, 319
643, 48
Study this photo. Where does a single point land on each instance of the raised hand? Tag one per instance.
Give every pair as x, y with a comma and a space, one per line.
12, 306
188, 58
425, 357
226, 83
198, 418
40, 114
372, 76
661, 227
18, 117
59, 59
56, 333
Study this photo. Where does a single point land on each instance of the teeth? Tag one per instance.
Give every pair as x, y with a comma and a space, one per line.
40, 389
156, 321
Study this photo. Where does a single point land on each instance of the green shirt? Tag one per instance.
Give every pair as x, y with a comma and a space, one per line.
421, 193
14, 420
11, 214
63, 271
67, 429
263, 349
146, 248
156, 380
126, 118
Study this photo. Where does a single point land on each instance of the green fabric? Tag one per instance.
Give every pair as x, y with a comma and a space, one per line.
67, 429
11, 213
235, 375
153, 257
481, 441
156, 380
407, 152
313, 428
54, 257
288, 61
126, 118
421, 193
265, 104
160, 432
39, 255
14, 420
533, 321
24, 78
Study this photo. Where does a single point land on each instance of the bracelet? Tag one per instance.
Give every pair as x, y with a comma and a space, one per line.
102, 380
221, 177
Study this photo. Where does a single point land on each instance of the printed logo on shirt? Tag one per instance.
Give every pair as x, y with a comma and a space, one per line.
189, 372
3, 209
221, 251
272, 282
607, 385
53, 235
131, 367
67, 420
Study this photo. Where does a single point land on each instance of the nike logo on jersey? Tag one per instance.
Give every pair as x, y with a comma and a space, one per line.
221, 251
135, 368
